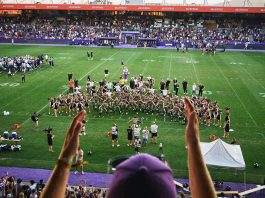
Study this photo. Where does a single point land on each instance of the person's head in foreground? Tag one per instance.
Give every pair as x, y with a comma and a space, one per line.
142, 176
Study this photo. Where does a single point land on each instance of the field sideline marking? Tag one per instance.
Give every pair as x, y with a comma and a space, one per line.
78, 80
235, 93
195, 71
39, 160
97, 164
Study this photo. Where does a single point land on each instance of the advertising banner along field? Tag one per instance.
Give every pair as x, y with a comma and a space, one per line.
138, 8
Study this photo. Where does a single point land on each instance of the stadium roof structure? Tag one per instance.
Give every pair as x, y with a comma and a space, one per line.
191, 6
218, 153
233, 3
136, 8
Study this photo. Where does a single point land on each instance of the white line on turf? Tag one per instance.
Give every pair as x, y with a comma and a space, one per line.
97, 66
238, 98
195, 71
94, 68
27, 93
146, 66
49, 161
262, 135
243, 68
126, 63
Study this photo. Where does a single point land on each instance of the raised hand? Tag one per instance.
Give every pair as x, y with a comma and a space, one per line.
192, 128
200, 180
71, 142
55, 187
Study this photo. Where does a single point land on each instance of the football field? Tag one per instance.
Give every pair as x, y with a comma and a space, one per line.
234, 79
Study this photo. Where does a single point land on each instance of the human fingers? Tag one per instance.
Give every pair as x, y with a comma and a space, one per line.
80, 116
189, 106
75, 136
192, 129
71, 144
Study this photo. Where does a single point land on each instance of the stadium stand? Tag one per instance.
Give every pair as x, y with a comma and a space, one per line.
134, 29
13, 186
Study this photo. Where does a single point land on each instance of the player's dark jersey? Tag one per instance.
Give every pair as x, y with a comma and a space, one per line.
184, 83
132, 84
201, 87
167, 83
162, 85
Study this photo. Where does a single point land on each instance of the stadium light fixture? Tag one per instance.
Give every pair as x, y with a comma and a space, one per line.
226, 3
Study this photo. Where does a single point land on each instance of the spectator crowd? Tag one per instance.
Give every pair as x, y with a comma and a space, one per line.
91, 28
16, 187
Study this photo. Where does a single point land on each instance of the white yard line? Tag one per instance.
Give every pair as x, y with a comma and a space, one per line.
97, 66
238, 98
262, 135
146, 65
242, 66
94, 68
195, 71
27, 93
253, 78
126, 61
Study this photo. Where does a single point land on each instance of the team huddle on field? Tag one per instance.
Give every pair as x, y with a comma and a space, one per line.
135, 95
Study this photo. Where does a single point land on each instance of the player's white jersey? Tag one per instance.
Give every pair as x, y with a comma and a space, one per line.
114, 130
136, 131
154, 128
80, 155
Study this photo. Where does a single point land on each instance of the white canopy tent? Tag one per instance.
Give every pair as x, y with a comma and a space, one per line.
219, 153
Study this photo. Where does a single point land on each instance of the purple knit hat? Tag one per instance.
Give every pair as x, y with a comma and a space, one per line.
142, 176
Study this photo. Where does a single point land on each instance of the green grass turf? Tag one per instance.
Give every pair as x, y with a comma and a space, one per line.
235, 79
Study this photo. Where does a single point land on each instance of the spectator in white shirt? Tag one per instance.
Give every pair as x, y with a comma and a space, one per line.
154, 128
145, 136
136, 131
194, 89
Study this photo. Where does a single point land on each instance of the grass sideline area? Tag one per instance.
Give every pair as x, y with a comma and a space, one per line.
234, 79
